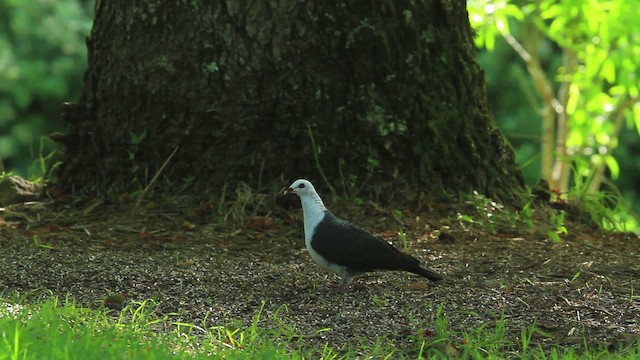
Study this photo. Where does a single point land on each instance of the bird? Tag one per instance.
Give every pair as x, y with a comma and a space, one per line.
344, 248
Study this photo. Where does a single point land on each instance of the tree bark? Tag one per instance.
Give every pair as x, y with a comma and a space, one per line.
383, 93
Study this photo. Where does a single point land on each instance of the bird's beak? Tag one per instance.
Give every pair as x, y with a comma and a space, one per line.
287, 191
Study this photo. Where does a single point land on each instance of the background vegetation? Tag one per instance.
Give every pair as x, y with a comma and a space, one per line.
564, 88
42, 59
561, 76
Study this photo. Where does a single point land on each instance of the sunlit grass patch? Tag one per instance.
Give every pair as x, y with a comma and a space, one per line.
56, 329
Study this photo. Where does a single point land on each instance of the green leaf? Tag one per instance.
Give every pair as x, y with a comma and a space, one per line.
574, 95
575, 276
554, 236
490, 38
613, 166
636, 116
502, 23
609, 71
514, 11
551, 12
599, 102
603, 137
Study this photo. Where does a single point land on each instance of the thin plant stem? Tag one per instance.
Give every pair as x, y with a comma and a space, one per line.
155, 177
315, 156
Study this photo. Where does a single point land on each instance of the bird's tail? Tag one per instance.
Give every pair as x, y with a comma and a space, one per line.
429, 274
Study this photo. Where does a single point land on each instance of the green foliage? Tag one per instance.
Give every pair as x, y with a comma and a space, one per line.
56, 329
524, 215
402, 237
43, 164
59, 329
37, 243
490, 19
42, 57
604, 208
488, 213
557, 221
135, 140
601, 209
579, 58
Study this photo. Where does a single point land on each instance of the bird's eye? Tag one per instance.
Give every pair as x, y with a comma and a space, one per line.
301, 186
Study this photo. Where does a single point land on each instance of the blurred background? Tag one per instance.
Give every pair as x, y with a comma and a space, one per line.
42, 60
561, 78
563, 84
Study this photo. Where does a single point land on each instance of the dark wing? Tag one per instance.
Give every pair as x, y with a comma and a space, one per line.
345, 244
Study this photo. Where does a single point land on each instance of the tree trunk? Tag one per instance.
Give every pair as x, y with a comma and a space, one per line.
385, 93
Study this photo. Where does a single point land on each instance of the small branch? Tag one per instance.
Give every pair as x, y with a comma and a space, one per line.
582, 306
155, 177
562, 128
519, 49
532, 99
550, 108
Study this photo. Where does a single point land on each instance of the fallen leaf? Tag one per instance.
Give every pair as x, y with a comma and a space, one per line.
52, 228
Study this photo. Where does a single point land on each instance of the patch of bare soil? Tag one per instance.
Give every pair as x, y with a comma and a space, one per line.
198, 265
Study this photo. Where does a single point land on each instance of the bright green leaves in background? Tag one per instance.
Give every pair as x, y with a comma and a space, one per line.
42, 59
490, 19
581, 60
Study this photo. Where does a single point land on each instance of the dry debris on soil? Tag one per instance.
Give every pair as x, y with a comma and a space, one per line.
198, 265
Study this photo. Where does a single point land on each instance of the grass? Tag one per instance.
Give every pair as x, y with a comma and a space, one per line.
54, 329
605, 209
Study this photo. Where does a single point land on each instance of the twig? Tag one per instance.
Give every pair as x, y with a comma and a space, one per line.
551, 104
524, 302
155, 177
581, 306
562, 164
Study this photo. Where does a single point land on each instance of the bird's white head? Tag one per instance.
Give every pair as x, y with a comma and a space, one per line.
301, 187
312, 206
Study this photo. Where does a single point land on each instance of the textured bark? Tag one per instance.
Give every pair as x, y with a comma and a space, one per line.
388, 89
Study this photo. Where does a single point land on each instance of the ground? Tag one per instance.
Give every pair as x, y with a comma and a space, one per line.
216, 263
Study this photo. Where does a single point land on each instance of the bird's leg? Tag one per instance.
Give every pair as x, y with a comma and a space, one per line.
344, 285
340, 287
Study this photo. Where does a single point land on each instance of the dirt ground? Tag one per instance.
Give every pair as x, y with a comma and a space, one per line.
220, 262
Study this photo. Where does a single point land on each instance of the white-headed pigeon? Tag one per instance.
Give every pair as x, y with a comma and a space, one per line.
344, 248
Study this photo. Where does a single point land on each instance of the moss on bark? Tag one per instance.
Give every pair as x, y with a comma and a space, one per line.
389, 90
